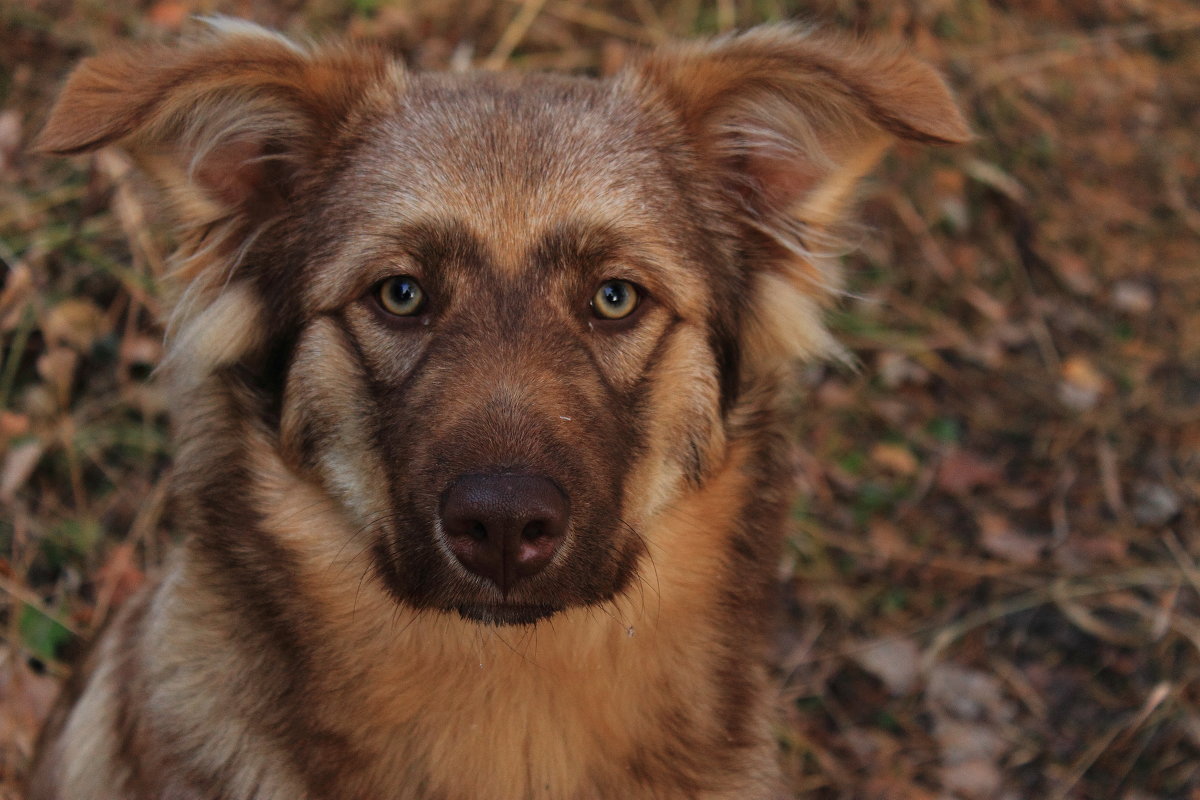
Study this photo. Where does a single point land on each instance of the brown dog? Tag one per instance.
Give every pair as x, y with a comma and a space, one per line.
479, 384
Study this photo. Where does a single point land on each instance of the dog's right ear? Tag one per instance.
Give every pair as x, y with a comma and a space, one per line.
232, 125
227, 122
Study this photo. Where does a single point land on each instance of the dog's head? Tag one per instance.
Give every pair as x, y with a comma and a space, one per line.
503, 320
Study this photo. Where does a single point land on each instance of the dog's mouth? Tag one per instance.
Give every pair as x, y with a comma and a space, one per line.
504, 549
505, 614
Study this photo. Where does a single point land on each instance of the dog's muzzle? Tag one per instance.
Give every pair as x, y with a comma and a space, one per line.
504, 528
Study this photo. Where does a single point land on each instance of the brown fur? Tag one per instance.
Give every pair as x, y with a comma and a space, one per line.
313, 638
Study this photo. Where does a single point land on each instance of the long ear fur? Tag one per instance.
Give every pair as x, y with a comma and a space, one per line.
793, 111
229, 123
790, 121
220, 108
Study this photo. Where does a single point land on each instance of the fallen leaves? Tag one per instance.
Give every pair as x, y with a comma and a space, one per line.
25, 700
895, 661
1001, 538
962, 472
894, 458
75, 323
19, 463
1026, 317
10, 140
1082, 385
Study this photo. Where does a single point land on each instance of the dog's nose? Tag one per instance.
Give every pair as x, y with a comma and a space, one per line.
504, 527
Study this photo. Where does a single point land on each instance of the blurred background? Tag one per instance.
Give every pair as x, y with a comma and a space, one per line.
993, 586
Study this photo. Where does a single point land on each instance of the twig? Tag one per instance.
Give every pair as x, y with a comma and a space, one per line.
1186, 565
513, 34
726, 15
650, 18
1002, 68
607, 23
930, 249
1110, 479
1044, 595
33, 601
1126, 727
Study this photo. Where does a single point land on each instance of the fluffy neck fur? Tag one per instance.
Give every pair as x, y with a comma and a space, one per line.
360, 696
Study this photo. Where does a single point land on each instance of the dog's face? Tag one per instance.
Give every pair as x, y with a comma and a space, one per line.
509, 318
491, 300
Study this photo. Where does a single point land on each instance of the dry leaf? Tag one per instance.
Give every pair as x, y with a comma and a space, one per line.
1076, 273
962, 471
967, 694
1080, 551
1191, 728
168, 15
57, 368
76, 322
1082, 385
119, 576
970, 714
1133, 297
887, 541
19, 464
992, 176
144, 350
896, 370
1154, 503
894, 458
10, 139
895, 661
25, 700
986, 304
18, 286
999, 538
834, 394
977, 777
12, 425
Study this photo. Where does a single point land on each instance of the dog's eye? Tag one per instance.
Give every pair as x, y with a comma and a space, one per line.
615, 300
401, 295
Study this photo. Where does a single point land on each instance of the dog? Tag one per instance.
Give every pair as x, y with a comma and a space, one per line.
481, 386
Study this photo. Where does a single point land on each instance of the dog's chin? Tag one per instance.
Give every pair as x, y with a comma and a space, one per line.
503, 614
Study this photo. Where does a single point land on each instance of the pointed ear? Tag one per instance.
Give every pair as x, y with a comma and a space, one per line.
232, 125
797, 118
226, 122
786, 122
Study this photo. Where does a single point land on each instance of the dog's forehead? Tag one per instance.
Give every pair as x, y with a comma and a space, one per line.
509, 158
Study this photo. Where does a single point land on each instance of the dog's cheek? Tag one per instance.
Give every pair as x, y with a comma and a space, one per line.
328, 422
785, 325
685, 437
227, 330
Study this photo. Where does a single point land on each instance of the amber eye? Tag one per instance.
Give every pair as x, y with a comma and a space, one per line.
615, 300
401, 295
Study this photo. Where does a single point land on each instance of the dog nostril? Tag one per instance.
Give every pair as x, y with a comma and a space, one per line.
505, 528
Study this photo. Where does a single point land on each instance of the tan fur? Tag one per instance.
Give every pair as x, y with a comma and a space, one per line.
576, 691
317, 637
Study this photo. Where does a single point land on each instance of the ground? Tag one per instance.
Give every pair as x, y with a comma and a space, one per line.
993, 587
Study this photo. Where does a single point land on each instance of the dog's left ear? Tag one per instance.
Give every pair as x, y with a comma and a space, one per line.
786, 122
223, 107
229, 122
235, 125
794, 118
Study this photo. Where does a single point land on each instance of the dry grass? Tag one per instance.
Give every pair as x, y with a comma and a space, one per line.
993, 586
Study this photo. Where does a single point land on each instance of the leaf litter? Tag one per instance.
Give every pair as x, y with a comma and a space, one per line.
992, 588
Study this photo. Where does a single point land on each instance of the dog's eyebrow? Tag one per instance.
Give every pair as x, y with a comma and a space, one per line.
431, 242
423, 246
581, 243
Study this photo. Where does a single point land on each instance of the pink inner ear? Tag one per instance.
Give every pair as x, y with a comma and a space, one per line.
777, 181
233, 172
